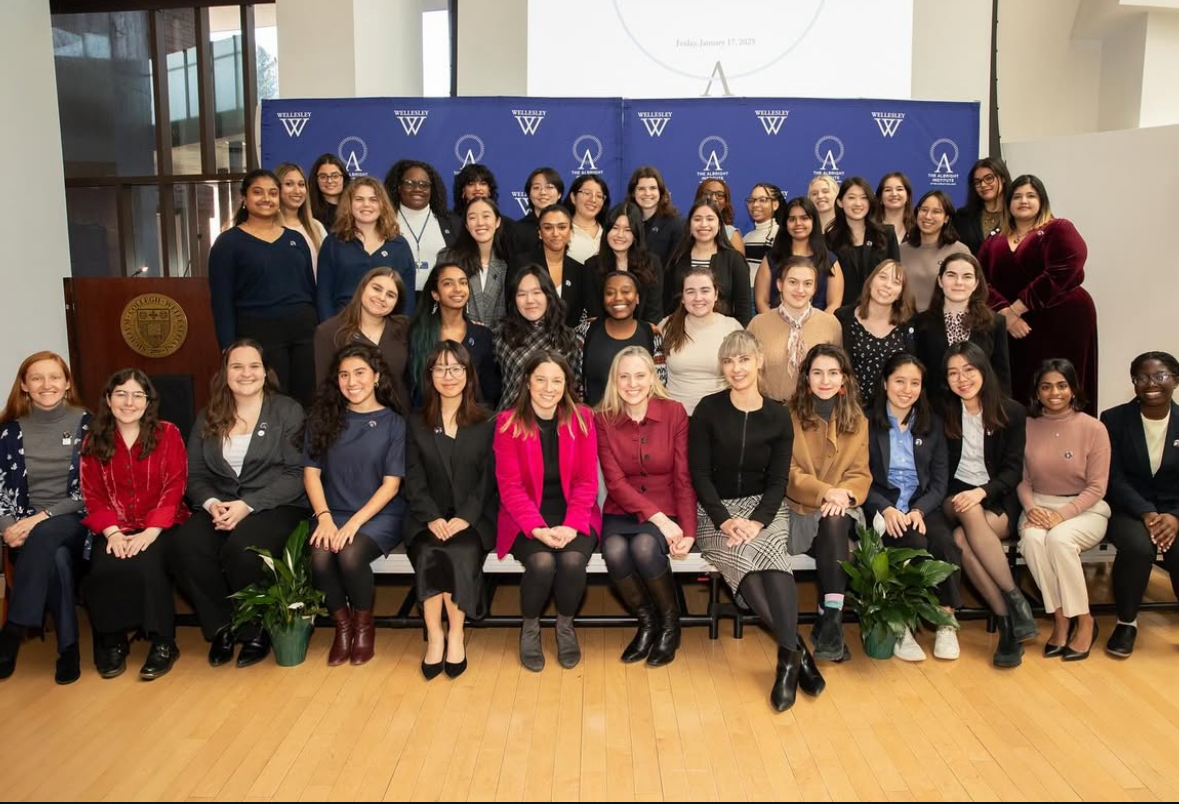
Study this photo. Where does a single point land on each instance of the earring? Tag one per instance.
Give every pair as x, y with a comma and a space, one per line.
843, 390
434, 309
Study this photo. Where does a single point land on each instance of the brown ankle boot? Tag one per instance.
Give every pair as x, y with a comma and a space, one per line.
342, 645
363, 635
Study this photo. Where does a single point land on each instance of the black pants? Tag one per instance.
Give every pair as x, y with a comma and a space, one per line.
1134, 561
209, 565
127, 593
832, 544
938, 539
288, 341
44, 577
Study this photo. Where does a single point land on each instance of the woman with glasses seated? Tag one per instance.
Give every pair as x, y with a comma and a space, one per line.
717, 192
543, 188
551, 251
134, 470
1143, 489
329, 177
983, 215
419, 197
662, 224
588, 200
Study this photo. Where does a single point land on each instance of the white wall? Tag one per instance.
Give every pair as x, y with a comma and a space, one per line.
32, 221
1122, 59
315, 49
1160, 93
952, 54
1127, 273
493, 48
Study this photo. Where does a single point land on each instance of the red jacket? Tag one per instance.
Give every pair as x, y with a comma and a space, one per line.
646, 465
135, 494
519, 470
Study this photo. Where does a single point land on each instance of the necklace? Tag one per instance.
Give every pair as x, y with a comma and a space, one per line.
1018, 237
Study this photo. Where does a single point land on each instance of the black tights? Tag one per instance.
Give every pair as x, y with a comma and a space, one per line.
832, 544
626, 554
773, 597
542, 572
346, 577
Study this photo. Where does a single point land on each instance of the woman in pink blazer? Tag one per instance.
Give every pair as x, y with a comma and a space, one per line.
546, 464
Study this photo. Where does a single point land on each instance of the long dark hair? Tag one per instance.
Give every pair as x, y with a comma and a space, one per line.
978, 312
683, 249
254, 176
319, 204
974, 202
469, 411
847, 413
638, 260
465, 251
513, 327
575, 188
221, 413
920, 417
910, 219
325, 420
675, 333
350, 315
664, 208
100, 443
1064, 368
990, 397
948, 234
522, 419
839, 234
1026, 180
783, 246
437, 188
427, 321
725, 210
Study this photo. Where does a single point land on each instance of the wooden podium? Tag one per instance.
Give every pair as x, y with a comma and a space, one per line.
164, 327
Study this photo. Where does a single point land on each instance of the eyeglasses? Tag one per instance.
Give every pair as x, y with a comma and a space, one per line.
330, 177
590, 195
716, 195
410, 184
134, 396
1158, 377
931, 211
984, 181
536, 188
450, 371
760, 199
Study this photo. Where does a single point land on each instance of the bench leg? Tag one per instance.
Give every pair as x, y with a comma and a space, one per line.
714, 606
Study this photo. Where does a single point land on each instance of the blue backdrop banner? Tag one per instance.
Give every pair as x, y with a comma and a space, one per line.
742, 140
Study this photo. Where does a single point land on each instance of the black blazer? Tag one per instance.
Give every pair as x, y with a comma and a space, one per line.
650, 307
469, 480
1132, 488
575, 282
732, 284
450, 226
1002, 455
857, 262
968, 224
931, 343
272, 474
933, 477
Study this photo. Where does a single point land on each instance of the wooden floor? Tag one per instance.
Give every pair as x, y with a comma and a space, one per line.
699, 729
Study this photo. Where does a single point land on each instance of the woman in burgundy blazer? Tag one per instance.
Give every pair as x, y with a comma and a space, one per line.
1035, 268
650, 509
546, 452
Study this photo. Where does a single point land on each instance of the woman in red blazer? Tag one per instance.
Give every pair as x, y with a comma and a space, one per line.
134, 469
546, 463
650, 509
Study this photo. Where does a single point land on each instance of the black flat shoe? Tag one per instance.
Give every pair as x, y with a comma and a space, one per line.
254, 650
221, 648
69, 666
160, 659
1071, 655
111, 661
1121, 641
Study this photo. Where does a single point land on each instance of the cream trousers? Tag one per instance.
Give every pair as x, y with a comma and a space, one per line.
1053, 555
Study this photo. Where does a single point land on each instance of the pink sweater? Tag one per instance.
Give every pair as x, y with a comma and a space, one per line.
1066, 455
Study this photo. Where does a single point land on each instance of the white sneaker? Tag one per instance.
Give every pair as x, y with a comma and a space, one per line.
907, 649
945, 643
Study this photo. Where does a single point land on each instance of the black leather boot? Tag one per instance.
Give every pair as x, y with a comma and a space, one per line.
667, 606
9, 648
631, 590
1008, 653
785, 688
531, 653
1023, 622
810, 680
829, 636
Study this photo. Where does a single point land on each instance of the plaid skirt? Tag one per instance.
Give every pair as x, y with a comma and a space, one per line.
766, 552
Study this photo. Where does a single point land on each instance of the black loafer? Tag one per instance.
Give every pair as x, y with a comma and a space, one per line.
111, 661
160, 659
254, 650
1121, 641
69, 666
221, 648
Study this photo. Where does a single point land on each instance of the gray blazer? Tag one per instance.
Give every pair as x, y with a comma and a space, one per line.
272, 474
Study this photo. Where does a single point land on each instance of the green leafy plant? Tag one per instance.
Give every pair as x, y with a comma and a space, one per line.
890, 591
290, 596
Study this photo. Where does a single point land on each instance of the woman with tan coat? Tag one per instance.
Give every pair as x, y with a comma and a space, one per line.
829, 479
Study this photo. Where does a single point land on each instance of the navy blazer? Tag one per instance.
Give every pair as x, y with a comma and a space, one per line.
1132, 488
469, 480
272, 473
931, 343
933, 476
1002, 455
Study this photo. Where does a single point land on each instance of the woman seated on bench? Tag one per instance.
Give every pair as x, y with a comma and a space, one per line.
546, 463
450, 488
650, 509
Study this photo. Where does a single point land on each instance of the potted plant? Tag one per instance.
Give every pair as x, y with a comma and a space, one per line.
890, 591
288, 604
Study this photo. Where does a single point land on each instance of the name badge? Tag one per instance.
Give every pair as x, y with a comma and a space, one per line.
67, 439
421, 274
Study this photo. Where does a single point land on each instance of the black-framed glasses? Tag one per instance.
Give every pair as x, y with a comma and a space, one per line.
984, 181
330, 177
714, 195
450, 371
410, 184
757, 199
1158, 377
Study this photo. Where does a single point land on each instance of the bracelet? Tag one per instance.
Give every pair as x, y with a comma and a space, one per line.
321, 513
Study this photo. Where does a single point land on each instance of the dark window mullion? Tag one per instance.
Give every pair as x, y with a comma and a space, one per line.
249, 84
159, 76
205, 89
126, 220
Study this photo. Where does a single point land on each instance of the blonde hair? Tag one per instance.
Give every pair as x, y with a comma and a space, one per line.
611, 406
742, 342
345, 226
832, 183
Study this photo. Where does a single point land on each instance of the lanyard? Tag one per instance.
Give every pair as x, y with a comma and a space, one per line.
417, 236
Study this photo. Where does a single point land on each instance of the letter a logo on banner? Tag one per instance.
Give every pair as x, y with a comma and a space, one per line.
587, 150
475, 149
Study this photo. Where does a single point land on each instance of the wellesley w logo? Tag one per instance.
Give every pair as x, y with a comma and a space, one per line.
888, 122
655, 122
411, 120
529, 120
772, 119
293, 122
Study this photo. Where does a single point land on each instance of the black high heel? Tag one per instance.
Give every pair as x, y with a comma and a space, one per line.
1052, 651
1071, 655
432, 671
455, 669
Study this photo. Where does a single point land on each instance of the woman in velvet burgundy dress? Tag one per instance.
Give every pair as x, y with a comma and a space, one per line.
1035, 268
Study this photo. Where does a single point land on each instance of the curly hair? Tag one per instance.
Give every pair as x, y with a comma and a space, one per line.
345, 226
325, 420
100, 443
437, 188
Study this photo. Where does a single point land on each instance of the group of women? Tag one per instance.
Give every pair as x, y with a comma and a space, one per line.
749, 444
